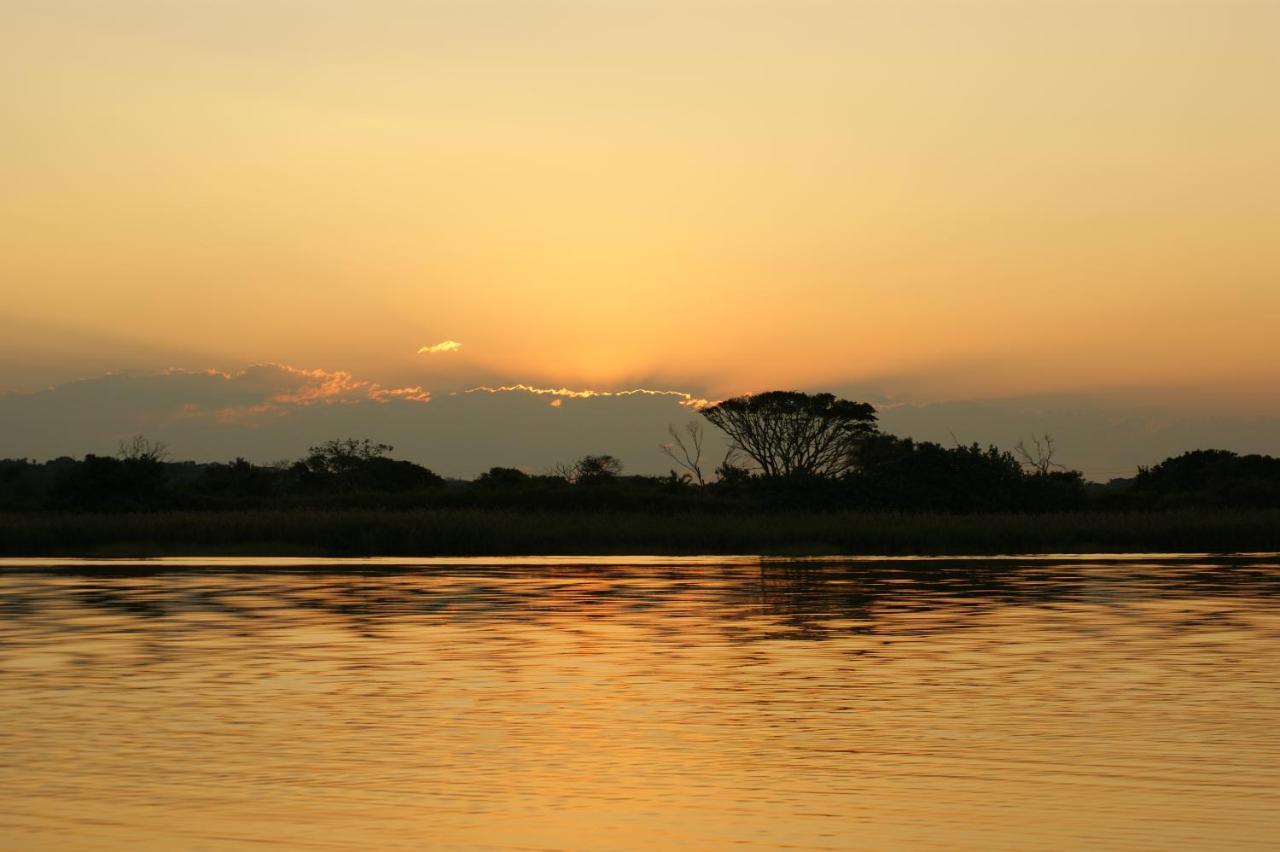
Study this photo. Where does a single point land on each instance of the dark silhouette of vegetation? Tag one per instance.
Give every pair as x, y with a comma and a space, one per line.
142, 449
594, 470
890, 474
788, 433
1209, 478
360, 466
1038, 458
522, 531
502, 477
588, 470
685, 449
344, 455
809, 455
896, 473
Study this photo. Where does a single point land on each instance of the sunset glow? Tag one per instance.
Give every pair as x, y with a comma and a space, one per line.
936, 199
639, 424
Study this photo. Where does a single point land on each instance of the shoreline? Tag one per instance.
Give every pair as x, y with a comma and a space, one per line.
479, 533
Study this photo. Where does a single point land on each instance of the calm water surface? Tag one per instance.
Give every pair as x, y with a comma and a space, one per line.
1114, 703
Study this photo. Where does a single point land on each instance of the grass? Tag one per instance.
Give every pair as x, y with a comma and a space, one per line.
459, 532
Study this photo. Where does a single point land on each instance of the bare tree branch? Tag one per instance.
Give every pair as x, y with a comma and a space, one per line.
143, 449
686, 450
1038, 459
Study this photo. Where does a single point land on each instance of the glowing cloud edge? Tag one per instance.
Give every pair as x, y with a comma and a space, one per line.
685, 399
441, 348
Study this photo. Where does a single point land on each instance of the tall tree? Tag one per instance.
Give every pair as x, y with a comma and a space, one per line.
789, 433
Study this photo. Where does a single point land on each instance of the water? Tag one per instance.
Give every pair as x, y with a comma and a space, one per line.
1114, 703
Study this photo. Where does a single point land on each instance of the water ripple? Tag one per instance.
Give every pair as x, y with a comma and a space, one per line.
1121, 703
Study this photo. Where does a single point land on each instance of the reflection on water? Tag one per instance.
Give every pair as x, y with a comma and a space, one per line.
1012, 704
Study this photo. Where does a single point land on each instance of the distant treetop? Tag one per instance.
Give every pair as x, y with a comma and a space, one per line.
789, 433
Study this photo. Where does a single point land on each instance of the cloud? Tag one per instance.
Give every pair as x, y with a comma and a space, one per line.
152, 400
268, 412
685, 399
274, 411
441, 347
309, 387
274, 389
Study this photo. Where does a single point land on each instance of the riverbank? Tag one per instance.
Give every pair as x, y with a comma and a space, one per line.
457, 532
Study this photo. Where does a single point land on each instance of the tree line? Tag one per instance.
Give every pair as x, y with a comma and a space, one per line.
787, 450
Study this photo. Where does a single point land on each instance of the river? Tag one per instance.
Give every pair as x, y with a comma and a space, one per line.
1103, 702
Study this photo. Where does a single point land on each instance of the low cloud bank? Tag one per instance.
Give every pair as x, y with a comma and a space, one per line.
272, 412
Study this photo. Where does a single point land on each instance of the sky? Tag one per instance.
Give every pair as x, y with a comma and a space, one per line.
935, 205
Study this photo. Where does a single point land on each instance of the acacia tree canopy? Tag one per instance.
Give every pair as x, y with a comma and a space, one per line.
344, 454
596, 468
789, 433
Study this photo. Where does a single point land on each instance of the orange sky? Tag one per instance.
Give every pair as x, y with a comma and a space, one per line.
937, 199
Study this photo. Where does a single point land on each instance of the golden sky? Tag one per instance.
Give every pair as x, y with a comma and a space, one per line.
939, 199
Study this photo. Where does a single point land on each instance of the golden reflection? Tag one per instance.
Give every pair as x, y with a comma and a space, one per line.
639, 704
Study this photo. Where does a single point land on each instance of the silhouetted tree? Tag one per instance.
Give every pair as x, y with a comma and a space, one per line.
344, 454
101, 483
732, 469
593, 469
563, 471
586, 469
359, 464
1211, 478
1038, 459
393, 475
789, 433
239, 480
139, 448
900, 473
502, 477
686, 450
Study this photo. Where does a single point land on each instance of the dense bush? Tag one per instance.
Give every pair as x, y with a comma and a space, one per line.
889, 474
1211, 478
